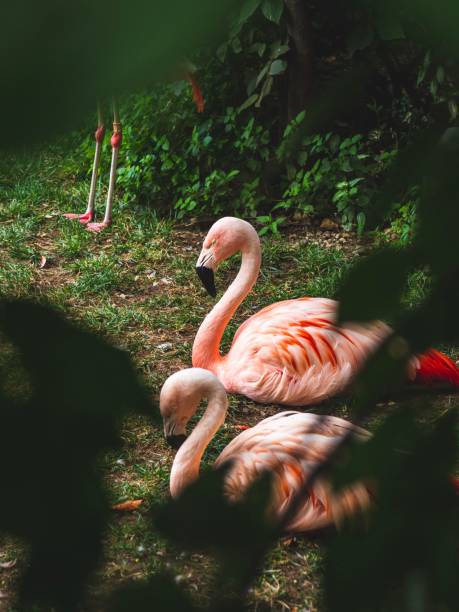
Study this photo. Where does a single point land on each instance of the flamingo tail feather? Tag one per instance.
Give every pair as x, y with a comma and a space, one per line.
436, 368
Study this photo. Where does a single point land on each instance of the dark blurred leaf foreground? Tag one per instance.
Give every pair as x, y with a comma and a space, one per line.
405, 554
57, 58
52, 433
77, 392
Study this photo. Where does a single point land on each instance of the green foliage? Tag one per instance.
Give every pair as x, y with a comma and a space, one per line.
382, 300
55, 497
193, 164
270, 224
328, 169
404, 224
103, 48
225, 164
409, 466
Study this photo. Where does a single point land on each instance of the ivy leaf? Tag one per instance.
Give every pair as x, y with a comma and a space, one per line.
247, 10
251, 100
263, 72
251, 83
259, 48
374, 286
266, 89
278, 49
277, 67
272, 9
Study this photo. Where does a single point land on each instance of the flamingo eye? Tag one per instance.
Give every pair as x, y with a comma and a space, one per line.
213, 243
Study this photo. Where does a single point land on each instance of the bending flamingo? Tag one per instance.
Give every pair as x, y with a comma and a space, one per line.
290, 352
289, 445
88, 216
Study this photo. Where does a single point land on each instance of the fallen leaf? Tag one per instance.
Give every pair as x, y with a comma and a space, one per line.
127, 506
43, 261
328, 224
8, 564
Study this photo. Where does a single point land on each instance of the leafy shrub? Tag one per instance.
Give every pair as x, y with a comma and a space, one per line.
178, 160
329, 171
228, 162
404, 224
234, 158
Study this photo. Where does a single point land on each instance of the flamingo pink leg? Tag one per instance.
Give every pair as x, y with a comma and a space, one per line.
116, 143
88, 215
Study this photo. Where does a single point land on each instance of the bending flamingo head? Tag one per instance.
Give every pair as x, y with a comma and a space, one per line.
226, 237
180, 397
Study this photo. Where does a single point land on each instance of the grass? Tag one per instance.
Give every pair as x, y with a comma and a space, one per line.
135, 285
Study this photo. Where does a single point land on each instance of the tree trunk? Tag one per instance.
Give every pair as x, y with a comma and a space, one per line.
300, 57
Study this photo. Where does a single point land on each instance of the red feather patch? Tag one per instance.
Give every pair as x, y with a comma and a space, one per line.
455, 483
197, 94
435, 367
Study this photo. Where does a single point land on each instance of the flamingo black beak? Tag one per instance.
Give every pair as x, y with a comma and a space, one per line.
206, 276
176, 441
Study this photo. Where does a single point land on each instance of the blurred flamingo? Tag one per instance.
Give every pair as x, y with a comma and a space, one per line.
291, 352
186, 72
289, 445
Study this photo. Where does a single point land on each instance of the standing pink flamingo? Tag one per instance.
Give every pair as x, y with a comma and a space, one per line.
88, 216
289, 445
291, 352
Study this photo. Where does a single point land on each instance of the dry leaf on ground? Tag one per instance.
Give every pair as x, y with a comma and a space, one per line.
127, 506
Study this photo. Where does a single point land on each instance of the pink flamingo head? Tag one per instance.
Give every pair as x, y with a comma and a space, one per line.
226, 237
180, 397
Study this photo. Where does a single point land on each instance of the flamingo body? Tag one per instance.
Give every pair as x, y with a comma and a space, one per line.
291, 352
289, 445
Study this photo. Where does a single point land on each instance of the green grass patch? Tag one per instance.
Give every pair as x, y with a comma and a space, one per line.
97, 274
15, 279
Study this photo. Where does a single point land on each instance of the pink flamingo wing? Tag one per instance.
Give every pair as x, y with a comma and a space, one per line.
289, 445
293, 352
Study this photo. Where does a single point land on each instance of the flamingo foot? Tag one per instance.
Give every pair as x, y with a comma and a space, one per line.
87, 217
98, 227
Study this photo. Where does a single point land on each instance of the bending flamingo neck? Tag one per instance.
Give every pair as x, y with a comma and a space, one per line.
206, 346
185, 468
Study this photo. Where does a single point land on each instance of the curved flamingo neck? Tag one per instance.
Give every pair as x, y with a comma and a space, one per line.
185, 468
206, 346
